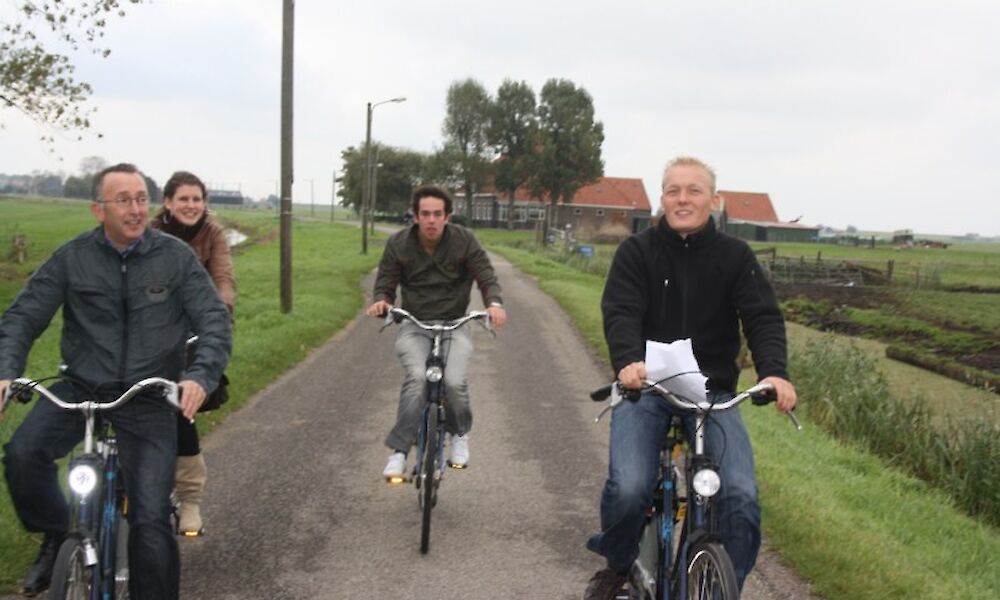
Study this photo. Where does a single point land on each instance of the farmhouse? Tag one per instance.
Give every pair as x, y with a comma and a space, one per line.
612, 207
751, 216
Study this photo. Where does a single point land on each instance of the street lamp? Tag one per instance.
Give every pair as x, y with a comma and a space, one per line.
366, 189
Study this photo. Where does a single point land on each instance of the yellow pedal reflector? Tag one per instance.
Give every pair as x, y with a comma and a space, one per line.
454, 466
396, 479
192, 534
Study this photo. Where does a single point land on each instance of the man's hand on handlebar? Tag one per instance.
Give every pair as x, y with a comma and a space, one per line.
378, 308
633, 376
192, 397
784, 391
498, 316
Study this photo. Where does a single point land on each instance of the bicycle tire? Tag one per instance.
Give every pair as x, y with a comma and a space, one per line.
121, 559
71, 577
427, 488
710, 574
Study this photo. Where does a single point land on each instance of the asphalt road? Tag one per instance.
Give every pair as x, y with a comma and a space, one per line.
296, 507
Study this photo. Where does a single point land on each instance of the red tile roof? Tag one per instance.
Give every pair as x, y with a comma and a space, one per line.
623, 192
748, 206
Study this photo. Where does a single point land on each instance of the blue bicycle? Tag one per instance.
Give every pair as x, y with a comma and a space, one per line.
92, 563
430, 465
680, 552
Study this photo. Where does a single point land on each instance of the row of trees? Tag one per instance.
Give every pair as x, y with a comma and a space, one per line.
549, 145
74, 186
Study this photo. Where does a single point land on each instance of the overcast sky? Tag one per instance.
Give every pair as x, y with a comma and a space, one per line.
878, 114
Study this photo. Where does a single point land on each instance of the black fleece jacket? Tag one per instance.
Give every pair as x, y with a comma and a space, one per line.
663, 287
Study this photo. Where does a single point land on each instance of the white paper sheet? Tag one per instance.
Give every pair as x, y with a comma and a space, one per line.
668, 361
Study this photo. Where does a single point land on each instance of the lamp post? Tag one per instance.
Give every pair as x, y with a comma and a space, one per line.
366, 188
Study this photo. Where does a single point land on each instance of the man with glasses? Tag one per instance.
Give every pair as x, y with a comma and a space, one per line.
123, 288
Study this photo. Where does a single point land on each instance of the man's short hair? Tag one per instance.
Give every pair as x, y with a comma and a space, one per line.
119, 168
689, 161
180, 178
431, 191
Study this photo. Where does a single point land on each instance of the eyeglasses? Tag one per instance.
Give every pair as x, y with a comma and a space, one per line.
123, 201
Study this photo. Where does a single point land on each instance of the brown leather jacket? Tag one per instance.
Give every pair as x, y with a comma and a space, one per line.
212, 248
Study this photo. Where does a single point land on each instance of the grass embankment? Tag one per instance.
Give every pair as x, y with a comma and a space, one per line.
846, 520
327, 267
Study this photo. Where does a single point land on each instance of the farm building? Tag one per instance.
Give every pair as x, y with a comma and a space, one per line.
751, 216
612, 207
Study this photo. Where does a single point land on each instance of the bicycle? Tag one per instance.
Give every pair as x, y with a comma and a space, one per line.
680, 553
429, 468
92, 563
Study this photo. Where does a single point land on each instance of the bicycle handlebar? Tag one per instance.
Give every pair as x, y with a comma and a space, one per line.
27, 385
618, 393
395, 315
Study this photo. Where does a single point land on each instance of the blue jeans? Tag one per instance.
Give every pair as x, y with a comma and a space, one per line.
637, 433
147, 444
413, 344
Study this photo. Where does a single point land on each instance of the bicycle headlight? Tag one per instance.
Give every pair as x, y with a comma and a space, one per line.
706, 482
434, 374
82, 479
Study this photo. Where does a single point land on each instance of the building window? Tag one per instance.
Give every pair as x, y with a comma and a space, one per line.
577, 211
600, 212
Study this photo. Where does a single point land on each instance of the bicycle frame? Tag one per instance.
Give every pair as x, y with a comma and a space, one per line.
659, 572
428, 469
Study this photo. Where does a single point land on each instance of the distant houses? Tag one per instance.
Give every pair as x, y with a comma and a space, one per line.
612, 207
751, 216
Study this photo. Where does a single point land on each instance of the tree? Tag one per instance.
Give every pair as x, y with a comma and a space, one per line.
570, 144
398, 171
512, 134
465, 126
77, 187
38, 80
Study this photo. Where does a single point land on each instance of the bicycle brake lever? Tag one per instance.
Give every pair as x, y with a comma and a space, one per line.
795, 421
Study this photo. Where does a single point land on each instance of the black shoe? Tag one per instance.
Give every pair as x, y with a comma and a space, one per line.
38, 577
604, 585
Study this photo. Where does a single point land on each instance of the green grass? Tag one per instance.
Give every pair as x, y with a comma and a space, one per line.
327, 268
959, 265
851, 524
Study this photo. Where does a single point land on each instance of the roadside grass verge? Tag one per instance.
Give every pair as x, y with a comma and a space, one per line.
845, 519
327, 269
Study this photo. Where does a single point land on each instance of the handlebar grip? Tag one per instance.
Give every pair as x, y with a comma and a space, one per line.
601, 393
764, 397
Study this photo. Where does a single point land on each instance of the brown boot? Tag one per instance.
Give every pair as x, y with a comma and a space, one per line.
190, 484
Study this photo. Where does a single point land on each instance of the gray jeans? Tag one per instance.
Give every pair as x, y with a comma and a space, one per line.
412, 347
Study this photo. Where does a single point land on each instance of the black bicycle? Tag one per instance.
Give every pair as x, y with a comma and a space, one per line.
92, 563
429, 468
680, 552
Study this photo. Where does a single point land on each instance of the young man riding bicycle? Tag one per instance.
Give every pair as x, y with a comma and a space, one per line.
683, 279
123, 289
434, 263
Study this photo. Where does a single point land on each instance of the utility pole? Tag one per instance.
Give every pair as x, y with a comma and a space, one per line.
333, 197
287, 53
365, 184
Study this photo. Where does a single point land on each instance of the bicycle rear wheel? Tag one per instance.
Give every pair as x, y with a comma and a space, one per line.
71, 577
710, 574
428, 489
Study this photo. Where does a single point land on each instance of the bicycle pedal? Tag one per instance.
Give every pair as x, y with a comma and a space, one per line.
458, 467
193, 534
396, 479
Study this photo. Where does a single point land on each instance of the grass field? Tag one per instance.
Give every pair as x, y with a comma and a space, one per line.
854, 527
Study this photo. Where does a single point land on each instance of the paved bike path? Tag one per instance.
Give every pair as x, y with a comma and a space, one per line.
296, 507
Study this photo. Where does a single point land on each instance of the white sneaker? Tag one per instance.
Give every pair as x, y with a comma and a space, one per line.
395, 467
459, 451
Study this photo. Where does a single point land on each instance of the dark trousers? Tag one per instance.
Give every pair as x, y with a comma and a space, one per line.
187, 437
147, 443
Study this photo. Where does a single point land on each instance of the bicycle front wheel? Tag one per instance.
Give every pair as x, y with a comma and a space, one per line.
710, 573
71, 577
428, 489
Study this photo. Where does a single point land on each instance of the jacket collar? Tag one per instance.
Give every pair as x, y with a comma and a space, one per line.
696, 239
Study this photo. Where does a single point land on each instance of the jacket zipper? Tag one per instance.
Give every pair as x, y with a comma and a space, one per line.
684, 289
121, 364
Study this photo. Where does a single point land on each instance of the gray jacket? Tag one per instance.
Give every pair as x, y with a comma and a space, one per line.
124, 318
